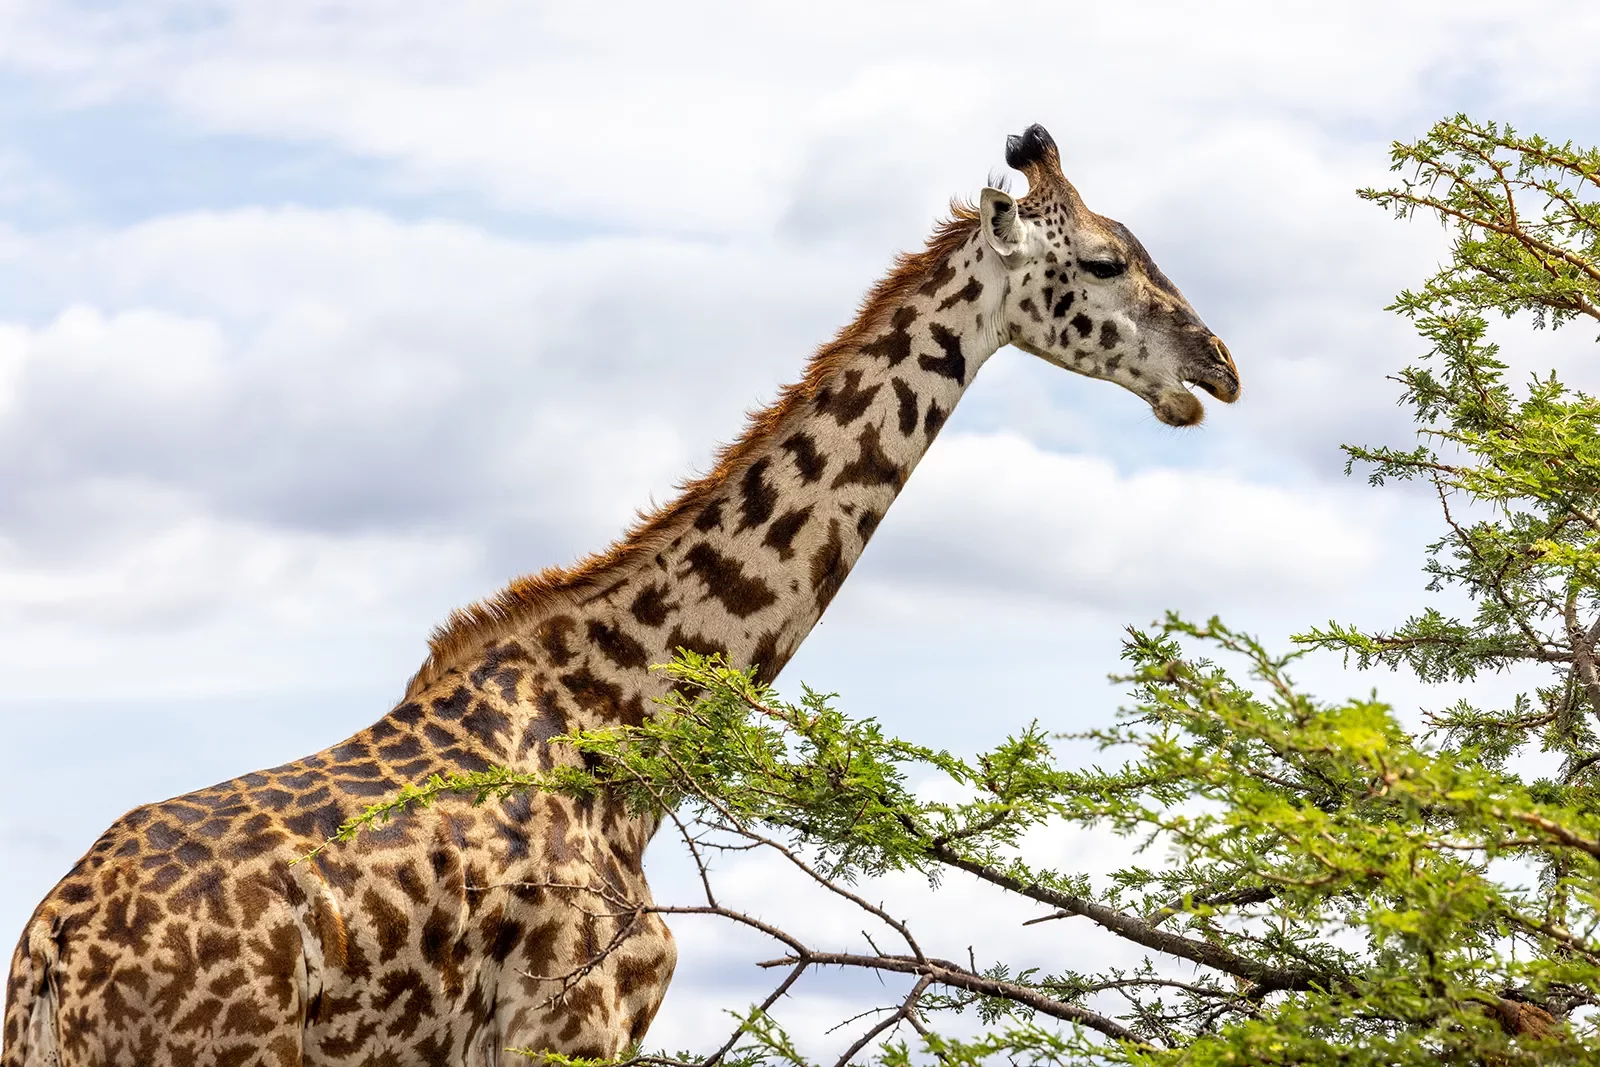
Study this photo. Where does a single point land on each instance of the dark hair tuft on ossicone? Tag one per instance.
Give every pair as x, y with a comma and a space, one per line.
1029, 147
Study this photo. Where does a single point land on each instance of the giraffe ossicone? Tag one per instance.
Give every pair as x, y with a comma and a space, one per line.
187, 934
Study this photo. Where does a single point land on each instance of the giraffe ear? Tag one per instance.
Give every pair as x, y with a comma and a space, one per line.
997, 216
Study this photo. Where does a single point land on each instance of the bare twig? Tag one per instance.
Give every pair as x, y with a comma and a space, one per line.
766, 1005
906, 1010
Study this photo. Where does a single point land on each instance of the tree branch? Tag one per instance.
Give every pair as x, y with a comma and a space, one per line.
1583, 651
956, 976
907, 1009
1266, 977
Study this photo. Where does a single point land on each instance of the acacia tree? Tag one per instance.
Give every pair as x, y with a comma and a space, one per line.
1339, 890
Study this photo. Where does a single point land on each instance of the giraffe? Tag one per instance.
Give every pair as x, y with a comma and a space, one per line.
187, 934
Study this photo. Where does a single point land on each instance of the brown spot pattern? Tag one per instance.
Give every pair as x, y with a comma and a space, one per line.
849, 402
651, 606
827, 567
757, 496
765, 658
867, 524
895, 345
781, 534
725, 580
872, 466
907, 401
966, 294
694, 642
952, 364
710, 517
552, 636
617, 646
808, 462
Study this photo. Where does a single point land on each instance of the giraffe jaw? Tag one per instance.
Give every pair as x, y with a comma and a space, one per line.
1178, 407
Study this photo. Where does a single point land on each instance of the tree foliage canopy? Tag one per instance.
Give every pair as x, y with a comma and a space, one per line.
1333, 888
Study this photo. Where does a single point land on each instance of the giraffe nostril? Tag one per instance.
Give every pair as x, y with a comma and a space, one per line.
1223, 353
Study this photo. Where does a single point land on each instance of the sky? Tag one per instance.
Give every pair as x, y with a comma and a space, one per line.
320, 319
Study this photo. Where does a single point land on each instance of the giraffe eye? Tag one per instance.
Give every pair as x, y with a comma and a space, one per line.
1103, 268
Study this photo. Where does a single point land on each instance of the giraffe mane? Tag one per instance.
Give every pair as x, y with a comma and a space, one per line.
469, 628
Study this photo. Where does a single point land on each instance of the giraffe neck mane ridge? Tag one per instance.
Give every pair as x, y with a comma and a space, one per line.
465, 633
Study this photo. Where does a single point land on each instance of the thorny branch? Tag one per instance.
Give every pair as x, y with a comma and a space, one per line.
944, 972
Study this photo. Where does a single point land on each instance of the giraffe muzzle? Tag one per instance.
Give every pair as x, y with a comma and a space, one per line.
1218, 375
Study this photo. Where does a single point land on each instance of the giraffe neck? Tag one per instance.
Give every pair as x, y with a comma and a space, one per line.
744, 563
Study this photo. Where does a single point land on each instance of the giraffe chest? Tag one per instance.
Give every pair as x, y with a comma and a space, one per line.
546, 947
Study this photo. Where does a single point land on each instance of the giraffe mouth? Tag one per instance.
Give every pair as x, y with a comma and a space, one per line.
1217, 375
1181, 407
1227, 392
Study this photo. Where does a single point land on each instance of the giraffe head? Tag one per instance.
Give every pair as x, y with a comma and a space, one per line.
1085, 295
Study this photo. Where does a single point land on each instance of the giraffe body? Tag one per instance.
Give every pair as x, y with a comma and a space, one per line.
188, 934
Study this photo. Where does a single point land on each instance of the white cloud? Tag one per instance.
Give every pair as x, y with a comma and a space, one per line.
998, 512
13, 351
696, 115
172, 565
